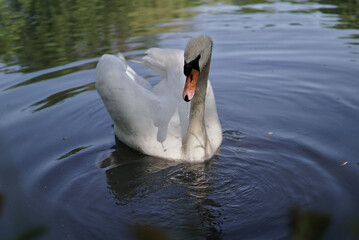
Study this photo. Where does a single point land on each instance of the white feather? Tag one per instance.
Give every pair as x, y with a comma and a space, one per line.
154, 120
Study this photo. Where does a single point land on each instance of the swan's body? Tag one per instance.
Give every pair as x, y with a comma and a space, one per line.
156, 120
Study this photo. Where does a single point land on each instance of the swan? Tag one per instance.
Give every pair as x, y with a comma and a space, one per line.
175, 119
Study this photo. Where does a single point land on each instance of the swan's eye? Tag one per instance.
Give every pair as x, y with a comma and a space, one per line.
187, 69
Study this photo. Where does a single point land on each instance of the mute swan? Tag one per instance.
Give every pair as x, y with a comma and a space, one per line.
156, 120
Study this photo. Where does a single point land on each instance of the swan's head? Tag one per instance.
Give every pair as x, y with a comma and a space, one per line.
196, 56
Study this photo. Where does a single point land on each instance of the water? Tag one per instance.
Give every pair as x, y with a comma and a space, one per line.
285, 77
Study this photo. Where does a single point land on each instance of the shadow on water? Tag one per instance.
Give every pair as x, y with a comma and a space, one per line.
133, 178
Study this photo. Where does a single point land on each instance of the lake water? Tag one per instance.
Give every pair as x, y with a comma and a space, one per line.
286, 80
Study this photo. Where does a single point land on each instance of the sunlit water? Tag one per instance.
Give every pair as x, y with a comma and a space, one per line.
286, 80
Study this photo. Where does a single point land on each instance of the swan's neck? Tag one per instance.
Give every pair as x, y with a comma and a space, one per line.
196, 142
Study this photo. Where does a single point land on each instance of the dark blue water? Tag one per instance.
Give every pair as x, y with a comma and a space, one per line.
286, 79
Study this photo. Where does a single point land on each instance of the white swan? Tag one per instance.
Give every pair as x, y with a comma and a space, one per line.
156, 120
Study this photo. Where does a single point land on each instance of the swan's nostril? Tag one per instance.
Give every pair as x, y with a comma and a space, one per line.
186, 98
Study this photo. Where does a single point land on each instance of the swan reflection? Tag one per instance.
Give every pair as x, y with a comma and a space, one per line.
165, 193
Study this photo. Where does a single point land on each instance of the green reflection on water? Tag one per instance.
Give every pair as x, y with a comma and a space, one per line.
348, 11
72, 152
52, 75
38, 34
61, 96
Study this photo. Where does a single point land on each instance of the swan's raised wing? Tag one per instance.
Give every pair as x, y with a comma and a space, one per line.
154, 61
168, 63
130, 103
132, 74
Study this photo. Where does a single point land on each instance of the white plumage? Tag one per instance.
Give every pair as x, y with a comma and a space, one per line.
156, 120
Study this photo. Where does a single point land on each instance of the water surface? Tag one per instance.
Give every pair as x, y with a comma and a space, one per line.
285, 77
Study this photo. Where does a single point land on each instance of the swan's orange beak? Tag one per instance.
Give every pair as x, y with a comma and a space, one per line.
190, 86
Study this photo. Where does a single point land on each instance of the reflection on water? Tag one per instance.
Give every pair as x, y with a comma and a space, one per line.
346, 10
288, 68
72, 152
53, 74
61, 96
38, 34
134, 177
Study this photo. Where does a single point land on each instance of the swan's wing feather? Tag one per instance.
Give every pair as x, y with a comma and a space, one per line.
137, 78
153, 61
171, 60
163, 61
132, 74
123, 97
